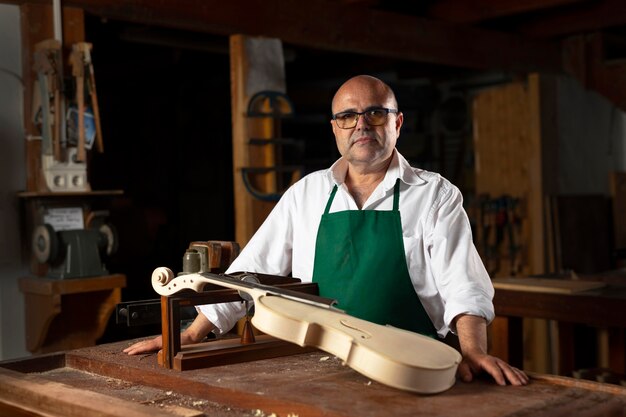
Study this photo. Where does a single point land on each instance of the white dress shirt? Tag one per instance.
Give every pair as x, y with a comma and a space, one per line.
445, 268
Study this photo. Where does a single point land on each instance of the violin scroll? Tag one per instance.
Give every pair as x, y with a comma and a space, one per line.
165, 283
162, 276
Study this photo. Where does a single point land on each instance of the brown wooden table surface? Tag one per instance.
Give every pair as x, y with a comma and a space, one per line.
311, 384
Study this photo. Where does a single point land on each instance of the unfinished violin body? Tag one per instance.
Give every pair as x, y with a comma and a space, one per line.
391, 356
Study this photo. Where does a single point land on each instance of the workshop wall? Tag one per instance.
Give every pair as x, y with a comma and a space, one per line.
12, 180
591, 145
592, 139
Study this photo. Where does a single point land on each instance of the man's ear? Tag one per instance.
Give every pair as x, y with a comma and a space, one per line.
399, 121
334, 126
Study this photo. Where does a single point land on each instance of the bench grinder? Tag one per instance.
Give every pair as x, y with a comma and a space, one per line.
74, 253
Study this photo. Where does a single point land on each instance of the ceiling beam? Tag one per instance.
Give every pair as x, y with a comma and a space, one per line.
463, 11
337, 26
585, 18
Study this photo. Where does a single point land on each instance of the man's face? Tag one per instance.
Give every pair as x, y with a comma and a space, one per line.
364, 144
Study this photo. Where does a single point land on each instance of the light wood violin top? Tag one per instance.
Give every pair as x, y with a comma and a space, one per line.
392, 356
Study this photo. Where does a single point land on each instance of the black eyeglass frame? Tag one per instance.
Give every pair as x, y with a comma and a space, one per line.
364, 113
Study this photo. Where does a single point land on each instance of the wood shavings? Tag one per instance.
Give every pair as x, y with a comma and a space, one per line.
261, 413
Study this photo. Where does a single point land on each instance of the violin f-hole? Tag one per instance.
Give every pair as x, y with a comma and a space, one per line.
364, 334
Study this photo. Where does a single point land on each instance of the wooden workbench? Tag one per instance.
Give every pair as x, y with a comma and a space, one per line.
103, 381
601, 307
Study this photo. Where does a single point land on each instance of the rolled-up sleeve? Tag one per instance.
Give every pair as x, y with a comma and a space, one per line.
459, 274
224, 316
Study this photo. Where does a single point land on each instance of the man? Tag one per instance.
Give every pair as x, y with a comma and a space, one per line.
390, 242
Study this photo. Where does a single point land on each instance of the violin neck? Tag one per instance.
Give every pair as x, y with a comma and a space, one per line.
252, 287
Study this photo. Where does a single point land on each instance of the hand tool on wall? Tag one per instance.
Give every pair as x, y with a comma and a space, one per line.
47, 64
269, 108
82, 70
78, 71
501, 221
91, 84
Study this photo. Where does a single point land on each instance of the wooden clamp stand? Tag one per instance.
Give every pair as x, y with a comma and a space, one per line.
227, 350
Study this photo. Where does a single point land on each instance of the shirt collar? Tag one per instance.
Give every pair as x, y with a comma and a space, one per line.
398, 168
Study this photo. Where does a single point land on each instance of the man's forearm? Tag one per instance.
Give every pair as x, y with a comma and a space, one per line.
197, 331
472, 332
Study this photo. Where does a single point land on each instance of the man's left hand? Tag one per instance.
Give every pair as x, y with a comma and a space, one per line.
502, 372
472, 331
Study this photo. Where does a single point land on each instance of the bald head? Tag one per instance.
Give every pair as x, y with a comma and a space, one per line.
361, 84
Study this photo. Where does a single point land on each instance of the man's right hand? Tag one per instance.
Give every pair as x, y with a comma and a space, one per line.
195, 333
145, 346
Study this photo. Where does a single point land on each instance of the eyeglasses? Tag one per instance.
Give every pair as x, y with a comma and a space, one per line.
373, 117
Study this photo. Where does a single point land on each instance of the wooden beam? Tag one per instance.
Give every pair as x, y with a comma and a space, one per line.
462, 11
587, 17
256, 64
338, 26
584, 58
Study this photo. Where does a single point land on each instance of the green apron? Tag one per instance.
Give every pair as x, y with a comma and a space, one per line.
360, 261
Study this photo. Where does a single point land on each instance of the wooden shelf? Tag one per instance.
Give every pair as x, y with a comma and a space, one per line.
49, 194
66, 314
50, 286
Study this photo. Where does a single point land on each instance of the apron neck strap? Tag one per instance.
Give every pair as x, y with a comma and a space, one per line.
330, 199
396, 197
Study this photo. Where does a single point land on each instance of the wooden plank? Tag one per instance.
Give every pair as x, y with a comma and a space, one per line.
50, 286
55, 195
255, 66
546, 285
36, 396
582, 308
168, 336
617, 181
341, 27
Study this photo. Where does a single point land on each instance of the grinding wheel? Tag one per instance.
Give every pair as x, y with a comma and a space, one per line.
108, 236
45, 244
